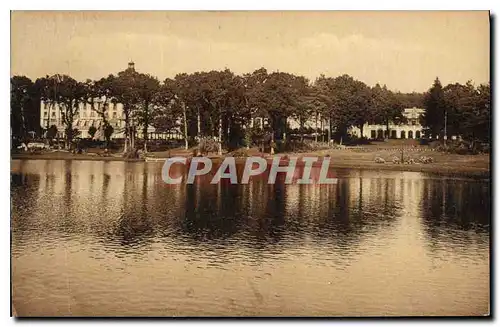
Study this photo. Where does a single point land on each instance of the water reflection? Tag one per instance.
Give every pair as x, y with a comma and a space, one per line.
397, 221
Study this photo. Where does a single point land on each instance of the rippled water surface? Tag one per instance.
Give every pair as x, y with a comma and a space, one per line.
110, 238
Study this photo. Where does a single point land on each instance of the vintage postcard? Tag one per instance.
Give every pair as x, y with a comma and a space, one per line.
250, 163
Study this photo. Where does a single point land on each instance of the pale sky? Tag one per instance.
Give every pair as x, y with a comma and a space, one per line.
405, 50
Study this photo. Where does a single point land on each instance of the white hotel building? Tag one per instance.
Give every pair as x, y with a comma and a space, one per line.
85, 117
410, 130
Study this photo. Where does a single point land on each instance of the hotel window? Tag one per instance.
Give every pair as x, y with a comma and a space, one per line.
53, 114
92, 114
114, 106
114, 114
45, 114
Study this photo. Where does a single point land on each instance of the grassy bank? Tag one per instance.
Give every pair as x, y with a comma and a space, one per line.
353, 158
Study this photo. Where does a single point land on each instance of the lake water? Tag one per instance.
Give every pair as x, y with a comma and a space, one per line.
111, 239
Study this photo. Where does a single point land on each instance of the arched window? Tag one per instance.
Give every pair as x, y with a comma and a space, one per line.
373, 134
393, 134
410, 134
417, 134
403, 134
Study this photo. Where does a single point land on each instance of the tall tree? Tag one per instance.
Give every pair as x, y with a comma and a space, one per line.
124, 91
322, 103
469, 111
179, 95
275, 96
482, 124
386, 107
20, 100
49, 90
25, 106
305, 105
459, 103
99, 94
147, 90
166, 110
433, 118
70, 95
349, 102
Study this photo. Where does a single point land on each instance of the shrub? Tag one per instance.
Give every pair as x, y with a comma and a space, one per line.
312, 145
396, 160
108, 131
51, 132
240, 153
208, 145
131, 154
426, 160
92, 131
458, 147
355, 140
299, 146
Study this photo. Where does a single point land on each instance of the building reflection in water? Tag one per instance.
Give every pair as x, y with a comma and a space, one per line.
127, 204
375, 243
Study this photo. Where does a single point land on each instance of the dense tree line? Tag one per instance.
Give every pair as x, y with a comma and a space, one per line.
220, 105
458, 110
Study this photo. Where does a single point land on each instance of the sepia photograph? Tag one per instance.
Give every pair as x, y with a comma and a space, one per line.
250, 163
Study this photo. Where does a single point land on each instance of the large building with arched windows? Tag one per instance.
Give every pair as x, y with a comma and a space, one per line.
410, 130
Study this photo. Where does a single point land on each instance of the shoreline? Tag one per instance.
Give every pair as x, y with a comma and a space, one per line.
440, 168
